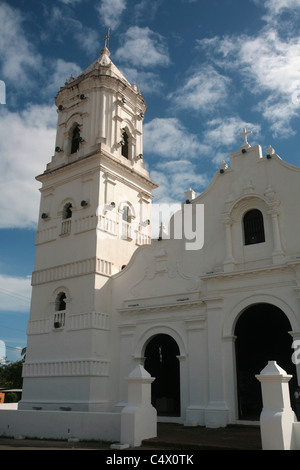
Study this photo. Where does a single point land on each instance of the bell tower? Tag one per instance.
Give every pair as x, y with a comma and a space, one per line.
95, 210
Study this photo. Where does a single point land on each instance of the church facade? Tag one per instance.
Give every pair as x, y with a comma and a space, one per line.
202, 320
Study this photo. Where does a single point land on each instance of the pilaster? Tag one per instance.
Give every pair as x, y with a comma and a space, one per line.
216, 411
229, 261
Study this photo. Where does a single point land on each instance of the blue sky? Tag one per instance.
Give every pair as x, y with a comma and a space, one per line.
207, 69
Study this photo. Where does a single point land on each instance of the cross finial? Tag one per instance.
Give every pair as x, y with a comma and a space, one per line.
104, 53
244, 136
106, 39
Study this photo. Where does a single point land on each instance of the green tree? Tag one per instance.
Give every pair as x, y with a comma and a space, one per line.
11, 377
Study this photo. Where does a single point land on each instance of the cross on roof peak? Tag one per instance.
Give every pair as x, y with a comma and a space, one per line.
106, 39
105, 53
244, 136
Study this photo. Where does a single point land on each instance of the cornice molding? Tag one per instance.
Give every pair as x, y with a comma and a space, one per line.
101, 157
75, 269
249, 272
184, 305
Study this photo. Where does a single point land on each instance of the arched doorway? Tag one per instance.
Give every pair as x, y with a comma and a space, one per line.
262, 335
162, 363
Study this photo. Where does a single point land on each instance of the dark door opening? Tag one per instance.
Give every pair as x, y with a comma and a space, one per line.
161, 362
262, 336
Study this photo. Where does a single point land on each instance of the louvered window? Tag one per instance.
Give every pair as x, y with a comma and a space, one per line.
125, 145
75, 140
60, 303
253, 227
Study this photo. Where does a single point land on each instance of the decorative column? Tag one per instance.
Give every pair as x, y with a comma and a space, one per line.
230, 385
216, 411
117, 121
195, 378
127, 332
229, 260
101, 111
277, 254
277, 416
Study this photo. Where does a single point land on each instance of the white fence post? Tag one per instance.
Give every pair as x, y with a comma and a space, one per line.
277, 416
139, 417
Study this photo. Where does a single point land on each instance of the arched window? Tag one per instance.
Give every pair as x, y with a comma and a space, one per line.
161, 361
127, 217
254, 231
66, 219
125, 145
60, 311
75, 140
67, 211
60, 302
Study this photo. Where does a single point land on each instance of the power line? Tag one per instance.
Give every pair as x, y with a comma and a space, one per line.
13, 294
14, 348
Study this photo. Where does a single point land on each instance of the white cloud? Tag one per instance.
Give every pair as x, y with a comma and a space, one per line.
19, 58
147, 82
15, 293
110, 12
204, 89
273, 64
176, 177
270, 69
146, 10
276, 7
168, 138
180, 150
143, 48
224, 132
27, 142
61, 21
87, 38
61, 71
22, 67
176, 169
280, 114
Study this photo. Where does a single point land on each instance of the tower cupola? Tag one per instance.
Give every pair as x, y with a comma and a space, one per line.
100, 111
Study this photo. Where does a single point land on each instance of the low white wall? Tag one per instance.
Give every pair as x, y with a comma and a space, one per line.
60, 425
137, 421
8, 406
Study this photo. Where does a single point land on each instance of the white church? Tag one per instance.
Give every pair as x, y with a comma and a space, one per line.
201, 319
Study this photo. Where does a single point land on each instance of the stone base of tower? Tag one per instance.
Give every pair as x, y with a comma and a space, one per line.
79, 394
